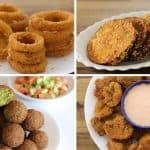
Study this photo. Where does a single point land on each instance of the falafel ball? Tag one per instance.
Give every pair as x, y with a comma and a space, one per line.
27, 145
3, 147
40, 138
34, 120
15, 112
13, 135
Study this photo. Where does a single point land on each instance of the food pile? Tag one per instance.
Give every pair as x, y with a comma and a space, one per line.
19, 128
26, 52
42, 87
57, 29
120, 40
108, 119
28, 40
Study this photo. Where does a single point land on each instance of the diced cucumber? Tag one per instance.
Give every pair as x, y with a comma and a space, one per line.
44, 91
56, 90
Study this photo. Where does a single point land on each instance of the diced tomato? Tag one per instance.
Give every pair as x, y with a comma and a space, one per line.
20, 80
32, 80
24, 90
43, 95
62, 91
18, 86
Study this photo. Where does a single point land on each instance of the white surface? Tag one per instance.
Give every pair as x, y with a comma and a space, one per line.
70, 79
63, 111
55, 66
90, 101
84, 37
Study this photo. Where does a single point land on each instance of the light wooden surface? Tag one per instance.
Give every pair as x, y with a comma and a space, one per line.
91, 11
84, 142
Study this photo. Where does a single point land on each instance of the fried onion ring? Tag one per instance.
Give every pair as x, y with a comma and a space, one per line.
52, 36
26, 42
14, 16
59, 51
38, 68
27, 58
5, 32
56, 20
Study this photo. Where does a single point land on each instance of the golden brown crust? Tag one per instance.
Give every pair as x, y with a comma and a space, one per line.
26, 42
38, 68
55, 20
52, 37
27, 58
5, 32
14, 16
118, 128
111, 42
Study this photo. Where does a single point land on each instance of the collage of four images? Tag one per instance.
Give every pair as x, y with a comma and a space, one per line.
74, 75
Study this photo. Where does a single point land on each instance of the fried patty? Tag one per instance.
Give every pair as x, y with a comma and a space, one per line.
112, 41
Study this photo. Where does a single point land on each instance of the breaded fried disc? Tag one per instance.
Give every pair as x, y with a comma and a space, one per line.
55, 20
111, 42
5, 32
61, 51
38, 68
142, 27
14, 16
26, 42
27, 58
52, 36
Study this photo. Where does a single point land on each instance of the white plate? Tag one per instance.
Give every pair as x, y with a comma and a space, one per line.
11, 83
55, 66
84, 37
89, 105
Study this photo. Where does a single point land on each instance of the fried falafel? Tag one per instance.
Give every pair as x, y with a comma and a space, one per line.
13, 135
34, 120
15, 112
40, 138
27, 145
4, 147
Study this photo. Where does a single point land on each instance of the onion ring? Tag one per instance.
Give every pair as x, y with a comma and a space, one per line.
26, 42
26, 58
14, 16
38, 68
56, 20
61, 51
52, 36
5, 32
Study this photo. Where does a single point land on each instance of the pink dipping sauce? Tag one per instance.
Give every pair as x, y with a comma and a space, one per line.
137, 104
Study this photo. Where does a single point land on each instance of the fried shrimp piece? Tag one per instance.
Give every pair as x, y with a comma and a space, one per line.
112, 94
100, 84
115, 145
127, 81
102, 110
144, 143
118, 128
111, 42
98, 126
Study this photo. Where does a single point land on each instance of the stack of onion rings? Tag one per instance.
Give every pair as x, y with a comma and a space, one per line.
57, 29
26, 52
13, 16
5, 32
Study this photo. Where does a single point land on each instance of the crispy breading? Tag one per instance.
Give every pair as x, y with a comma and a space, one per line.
118, 128
115, 145
112, 41
112, 94
102, 110
144, 143
38, 68
98, 126
128, 80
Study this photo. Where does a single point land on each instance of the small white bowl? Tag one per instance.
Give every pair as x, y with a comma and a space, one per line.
11, 84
